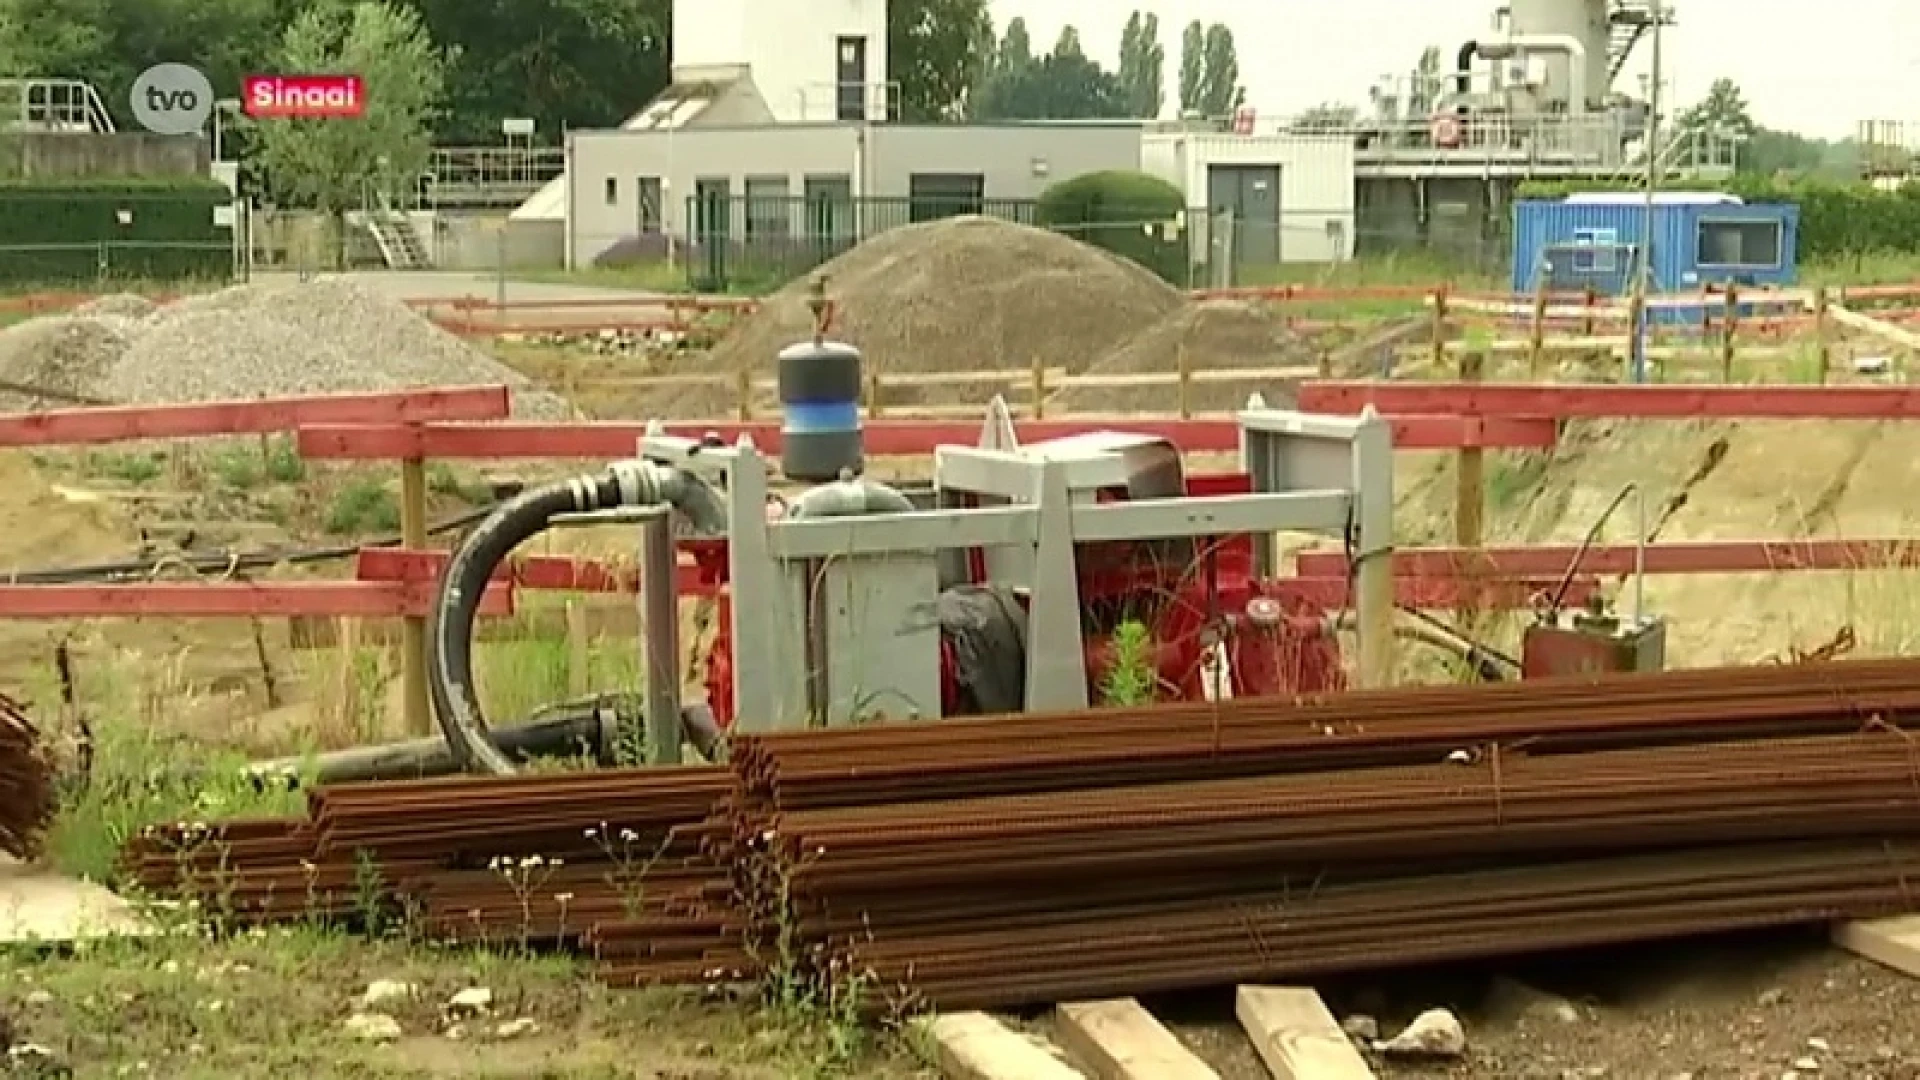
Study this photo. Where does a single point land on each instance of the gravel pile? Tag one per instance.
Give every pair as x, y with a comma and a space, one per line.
318, 337
120, 305
962, 294
1216, 335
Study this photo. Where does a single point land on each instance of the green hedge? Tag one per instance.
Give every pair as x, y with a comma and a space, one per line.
73, 231
1131, 214
1836, 220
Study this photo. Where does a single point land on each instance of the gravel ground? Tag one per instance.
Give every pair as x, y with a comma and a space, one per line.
1763, 1007
268, 340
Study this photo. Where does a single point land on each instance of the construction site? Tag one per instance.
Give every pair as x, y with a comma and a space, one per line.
1005, 663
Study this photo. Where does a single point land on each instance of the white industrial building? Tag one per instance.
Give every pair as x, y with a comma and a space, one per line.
1283, 198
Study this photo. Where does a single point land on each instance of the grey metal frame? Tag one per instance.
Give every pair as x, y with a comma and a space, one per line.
839, 620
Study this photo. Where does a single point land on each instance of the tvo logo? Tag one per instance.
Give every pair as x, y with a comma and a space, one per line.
172, 99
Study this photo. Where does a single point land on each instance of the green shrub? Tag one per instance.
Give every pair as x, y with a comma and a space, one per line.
1836, 220
125, 228
1131, 214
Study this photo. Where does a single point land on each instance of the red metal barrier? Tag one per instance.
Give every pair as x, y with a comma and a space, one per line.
232, 599
72, 427
1516, 400
1687, 557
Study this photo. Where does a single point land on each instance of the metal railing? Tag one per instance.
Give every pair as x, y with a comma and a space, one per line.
1597, 138
825, 102
489, 175
60, 105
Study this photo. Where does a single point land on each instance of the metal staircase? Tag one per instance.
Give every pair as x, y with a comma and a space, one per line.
1629, 21
399, 243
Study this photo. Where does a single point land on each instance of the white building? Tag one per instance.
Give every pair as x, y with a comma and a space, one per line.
1289, 198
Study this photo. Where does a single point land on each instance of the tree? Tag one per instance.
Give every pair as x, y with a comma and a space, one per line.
1327, 116
564, 63
1221, 92
1723, 110
1063, 85
1193, 66
1209, 71
1143, 65
937, 50
333, 163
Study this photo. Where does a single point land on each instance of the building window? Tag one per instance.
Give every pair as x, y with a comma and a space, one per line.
932, 196
613, 191
1596, 251
1750, 245
648, 189
769, 213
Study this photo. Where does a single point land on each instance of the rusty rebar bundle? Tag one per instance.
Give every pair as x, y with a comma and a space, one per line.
1019, 860
27, 794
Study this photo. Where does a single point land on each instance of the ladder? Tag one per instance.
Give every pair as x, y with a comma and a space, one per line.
1628, 21
399, 242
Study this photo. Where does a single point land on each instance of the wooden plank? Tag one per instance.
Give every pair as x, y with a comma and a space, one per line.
1121, 1040
605, 622
232, 599
975, 1046
1568, 402
73, 427
1894, 942
1296, 1036
1670, 557
1879, 328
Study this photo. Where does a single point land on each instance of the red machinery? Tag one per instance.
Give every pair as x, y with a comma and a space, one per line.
1210, 628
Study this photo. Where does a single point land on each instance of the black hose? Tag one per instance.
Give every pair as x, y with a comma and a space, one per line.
456, 704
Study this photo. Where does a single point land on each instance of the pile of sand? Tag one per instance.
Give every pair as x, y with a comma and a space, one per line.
273, 340
1215, 335
963, 294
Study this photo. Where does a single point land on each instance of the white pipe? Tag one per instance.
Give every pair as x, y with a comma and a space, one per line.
1538, 43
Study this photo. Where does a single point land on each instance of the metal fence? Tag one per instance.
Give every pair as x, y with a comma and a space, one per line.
753, 245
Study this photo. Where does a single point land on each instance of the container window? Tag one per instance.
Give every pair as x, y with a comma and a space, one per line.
1745, 244
1596, 251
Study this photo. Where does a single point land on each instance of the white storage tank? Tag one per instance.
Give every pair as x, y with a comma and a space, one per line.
1582, 21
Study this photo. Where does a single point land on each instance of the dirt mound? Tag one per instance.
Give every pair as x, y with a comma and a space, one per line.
59, 360
963, 294
269, 340
1215, 335
120, 305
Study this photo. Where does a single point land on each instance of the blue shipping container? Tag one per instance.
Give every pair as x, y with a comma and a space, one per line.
1698, 240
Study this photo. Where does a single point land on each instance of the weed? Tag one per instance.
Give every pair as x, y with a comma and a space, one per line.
630, 866
1132, 679
363, 506
133, 470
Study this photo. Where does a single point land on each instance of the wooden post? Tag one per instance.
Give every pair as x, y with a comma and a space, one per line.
1184, 364
743, 386
1439, 327
417, 703
1729, 332
876, 399
1822, 333
1537, 338
1587, 325
1038, 378
579, 650
1470, 496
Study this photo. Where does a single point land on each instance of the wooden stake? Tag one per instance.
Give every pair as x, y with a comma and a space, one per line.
1822, 332
1439, 327
1592, 302
1184, 362
1039, 380
1470, 493
579, 650
1537, 337
1729, 332
876, 400
418, 704
743, 386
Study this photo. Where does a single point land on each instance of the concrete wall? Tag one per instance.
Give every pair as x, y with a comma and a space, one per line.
790, 48
1016, 161
483, 241
42, 154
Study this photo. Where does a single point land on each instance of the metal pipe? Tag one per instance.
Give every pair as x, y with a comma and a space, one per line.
1463, 68
660, 637
1577, 60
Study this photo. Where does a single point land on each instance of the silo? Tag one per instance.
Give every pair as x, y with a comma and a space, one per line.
1583, 21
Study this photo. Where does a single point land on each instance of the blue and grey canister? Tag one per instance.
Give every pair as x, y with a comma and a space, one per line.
821, 435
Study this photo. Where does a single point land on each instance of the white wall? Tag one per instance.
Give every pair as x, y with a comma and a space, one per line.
709, 33
1316, 182
792, 48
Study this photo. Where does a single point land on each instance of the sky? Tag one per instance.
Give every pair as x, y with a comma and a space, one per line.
1852, 61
